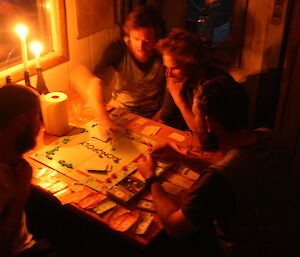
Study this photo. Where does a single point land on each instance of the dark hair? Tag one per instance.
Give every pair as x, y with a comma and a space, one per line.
145, 16
184, 46
14, 100
226, 100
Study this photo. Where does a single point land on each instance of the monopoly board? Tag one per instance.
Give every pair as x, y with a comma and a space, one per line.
91, 161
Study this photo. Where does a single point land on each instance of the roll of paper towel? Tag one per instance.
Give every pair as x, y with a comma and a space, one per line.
55, 112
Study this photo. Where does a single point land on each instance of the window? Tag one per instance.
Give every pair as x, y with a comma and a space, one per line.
45, 20
211, 19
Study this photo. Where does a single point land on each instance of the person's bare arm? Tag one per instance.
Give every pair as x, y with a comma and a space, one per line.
167, 208
176, 90
92, 89
171, 153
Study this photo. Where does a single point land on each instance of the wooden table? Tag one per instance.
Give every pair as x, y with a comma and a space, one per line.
76, 105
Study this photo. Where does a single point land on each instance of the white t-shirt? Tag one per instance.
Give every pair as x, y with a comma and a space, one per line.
23, 239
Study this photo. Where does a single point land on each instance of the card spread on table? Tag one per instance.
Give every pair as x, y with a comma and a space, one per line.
117, 112
186, 172
146, 205
91, 200
123, 220
144, 222
120, 194
71, 196
56, 187
181, 181
46, 182
171, 188
141, 121
125, 119
150, 130
104, 206
177, 137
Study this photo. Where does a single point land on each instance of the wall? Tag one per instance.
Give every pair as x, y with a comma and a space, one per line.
260, 53
85, 51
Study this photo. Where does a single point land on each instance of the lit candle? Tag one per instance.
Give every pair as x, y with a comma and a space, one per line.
22, 32
36, 48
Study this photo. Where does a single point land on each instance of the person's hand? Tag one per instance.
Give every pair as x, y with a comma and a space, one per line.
147, 166
176, 88
166, 151
108, 130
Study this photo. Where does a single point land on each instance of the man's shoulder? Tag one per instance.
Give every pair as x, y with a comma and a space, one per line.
214, 71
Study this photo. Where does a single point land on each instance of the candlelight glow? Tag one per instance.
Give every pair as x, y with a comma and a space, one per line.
48, 5
36, 47
22, 31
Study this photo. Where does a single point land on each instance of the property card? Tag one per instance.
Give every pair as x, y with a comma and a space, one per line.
71, 196
120, 194
42, 172
145, 205
150, 130
104, 206
171, 188
177, 137
141, 121
145, 221
56, 187
121, 220
181, 181
91, 200
46, 182
189, 174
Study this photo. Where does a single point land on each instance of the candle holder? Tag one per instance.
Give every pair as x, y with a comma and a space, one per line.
40, 82
27, 78
8, 79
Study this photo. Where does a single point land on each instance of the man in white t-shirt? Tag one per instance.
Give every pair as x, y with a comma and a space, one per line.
19, 126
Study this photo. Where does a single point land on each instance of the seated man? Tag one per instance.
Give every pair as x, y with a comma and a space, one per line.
140, 73
186, 67
19, 126
242, 196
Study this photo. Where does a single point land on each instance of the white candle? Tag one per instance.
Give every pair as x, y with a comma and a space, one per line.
22, 32
36, 48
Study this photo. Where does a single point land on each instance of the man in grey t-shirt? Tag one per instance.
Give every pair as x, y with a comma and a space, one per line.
140, 82
240, 199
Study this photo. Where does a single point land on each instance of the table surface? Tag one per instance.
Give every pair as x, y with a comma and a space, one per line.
79, 114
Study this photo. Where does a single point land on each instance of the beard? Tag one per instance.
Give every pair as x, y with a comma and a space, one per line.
25, 141
209, 141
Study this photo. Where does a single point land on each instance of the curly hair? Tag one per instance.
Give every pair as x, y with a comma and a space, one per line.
185, 47
226, 100
145, 16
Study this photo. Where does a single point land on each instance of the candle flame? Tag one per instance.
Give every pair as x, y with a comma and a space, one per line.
36, 47
22, 31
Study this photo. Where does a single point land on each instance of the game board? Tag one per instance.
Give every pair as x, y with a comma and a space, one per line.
92, 162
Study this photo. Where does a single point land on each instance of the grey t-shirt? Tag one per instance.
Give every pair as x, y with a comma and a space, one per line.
139, 87
244, 195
